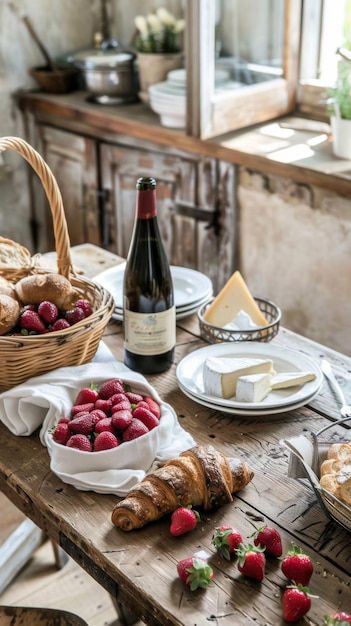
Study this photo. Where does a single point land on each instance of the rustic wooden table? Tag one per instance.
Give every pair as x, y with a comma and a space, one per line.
139, 568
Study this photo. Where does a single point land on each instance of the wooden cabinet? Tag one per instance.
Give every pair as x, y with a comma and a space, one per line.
97, 177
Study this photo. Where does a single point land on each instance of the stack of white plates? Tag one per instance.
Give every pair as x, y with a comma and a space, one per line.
190, 378
168, 98
191, 289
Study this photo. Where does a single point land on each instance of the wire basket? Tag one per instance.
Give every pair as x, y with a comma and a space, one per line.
214, 334
23, 357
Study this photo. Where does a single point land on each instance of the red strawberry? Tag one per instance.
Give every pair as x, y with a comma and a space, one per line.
103, 425
86, 395
73, 316
135, 429
153, 406
195, 572
144, 415
105, 441
117, 398
134, 398
251, 561
110, 387
84, 424
60, 324
297, 566
81, 442
97, 414
82, 408
183, 520
30, 320
269, 538
121, 419
64, 420
226, 540
48, 311
296, 603
104, 405
339, 618
85, 306
61, 433
124, 405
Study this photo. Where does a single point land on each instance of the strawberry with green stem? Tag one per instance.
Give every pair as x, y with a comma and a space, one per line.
338, 618
269, 538
297, 566
251, 561
296, 602
226, 540
183, 520
195, 572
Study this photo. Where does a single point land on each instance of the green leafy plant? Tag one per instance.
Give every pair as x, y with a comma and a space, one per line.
158, 32
339, 102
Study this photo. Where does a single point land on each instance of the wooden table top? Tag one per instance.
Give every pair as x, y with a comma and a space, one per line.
139, 568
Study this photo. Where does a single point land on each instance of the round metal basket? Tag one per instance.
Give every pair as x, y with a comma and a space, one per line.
214, 334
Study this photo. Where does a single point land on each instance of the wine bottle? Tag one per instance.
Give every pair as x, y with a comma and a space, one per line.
149, 321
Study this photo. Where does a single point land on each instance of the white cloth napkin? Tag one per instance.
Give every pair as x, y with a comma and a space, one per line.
42, 400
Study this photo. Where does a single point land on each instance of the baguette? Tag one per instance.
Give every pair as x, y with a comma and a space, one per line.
200, 476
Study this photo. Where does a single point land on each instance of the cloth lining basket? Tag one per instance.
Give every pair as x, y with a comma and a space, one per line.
22, 357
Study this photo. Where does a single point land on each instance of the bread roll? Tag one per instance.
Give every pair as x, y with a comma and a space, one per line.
12, 254
53, 287
9, 313
336, 472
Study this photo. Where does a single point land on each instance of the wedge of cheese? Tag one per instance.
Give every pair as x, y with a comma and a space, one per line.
233, 298
253, 387
220, 375
291, 379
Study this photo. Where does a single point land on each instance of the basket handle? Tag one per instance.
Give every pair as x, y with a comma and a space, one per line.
62, 242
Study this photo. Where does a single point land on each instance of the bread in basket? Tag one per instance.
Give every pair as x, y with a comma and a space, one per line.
25, 356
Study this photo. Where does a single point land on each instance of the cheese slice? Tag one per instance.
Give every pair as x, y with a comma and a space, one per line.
233, 298
291, 379
220, 375
253, 387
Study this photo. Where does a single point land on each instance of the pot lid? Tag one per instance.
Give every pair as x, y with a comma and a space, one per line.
108, 56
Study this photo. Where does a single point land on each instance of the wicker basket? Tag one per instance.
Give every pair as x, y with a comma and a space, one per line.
25, 356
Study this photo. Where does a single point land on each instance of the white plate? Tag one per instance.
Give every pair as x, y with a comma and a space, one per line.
190, 377
190, 286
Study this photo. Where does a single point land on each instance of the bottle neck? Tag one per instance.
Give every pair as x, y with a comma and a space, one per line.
146, 206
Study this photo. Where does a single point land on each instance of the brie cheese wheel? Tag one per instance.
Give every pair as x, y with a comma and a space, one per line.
291, 379
253, 387
220, 375
233, 298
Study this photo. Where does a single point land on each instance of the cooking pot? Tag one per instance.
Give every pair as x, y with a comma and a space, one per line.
109, 74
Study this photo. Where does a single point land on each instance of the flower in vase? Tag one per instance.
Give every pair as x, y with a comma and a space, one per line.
158, 32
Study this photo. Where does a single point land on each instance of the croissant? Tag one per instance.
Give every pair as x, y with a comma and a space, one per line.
201, 476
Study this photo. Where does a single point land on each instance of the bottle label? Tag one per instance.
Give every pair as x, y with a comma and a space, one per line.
149, 333
146, 204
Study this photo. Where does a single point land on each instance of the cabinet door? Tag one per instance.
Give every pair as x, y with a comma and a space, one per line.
187, 201
73, 162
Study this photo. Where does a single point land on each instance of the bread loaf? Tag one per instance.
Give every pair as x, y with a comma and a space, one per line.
36, 288
9, 313
336, 472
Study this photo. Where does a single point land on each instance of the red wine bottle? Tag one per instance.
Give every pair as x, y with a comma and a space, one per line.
149, 320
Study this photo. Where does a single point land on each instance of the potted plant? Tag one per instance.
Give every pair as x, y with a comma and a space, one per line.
340, 112
157, 46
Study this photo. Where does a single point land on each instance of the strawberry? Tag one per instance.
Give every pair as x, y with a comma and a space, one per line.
60, 324
85, 306
144, 415
134, 398
48, 311
110, 387
103, 405
30, 320
153, 406
226, 540
135, 429
105, 441
296, 603
123, 405
183, 520
73, 316
81, 442
297, 566
105, 424
251, 561
269, 538
97, 415
87, 395
117, 398
61, 433
339, 618
82, 408
121, 419
83, 425
195, 572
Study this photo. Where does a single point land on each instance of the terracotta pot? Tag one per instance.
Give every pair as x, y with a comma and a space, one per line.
153, 68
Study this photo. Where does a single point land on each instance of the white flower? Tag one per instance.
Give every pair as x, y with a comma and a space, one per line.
166, 17
154, 22
141, 24
179, 26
